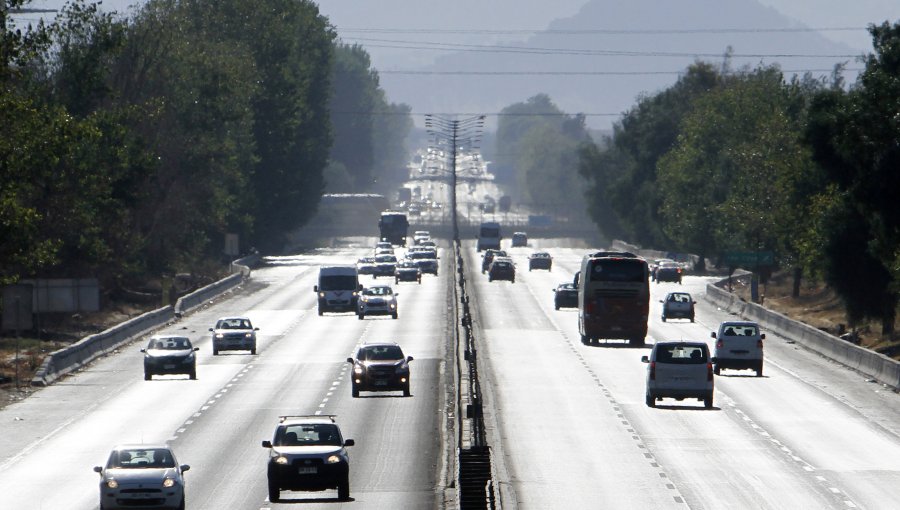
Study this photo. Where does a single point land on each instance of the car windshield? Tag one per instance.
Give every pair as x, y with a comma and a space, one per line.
170, 343
386, 258
681, 354
378, 291
141, 458
234, 324
337, 282
680, 298
319, 434
380, 353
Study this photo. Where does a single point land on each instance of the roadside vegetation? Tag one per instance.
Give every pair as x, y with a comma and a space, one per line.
745, 160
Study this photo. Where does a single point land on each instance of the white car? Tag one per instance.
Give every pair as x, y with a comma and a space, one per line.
739, 346
678, 305
377, 300
142, 476
421, 235
679, 370
233, 334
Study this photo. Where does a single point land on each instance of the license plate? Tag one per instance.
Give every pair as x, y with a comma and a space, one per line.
381, 383
168, 367
307, 470
616, 328
740, 352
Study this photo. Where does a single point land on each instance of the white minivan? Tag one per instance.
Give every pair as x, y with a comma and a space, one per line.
338, 289
739, 346
679, 370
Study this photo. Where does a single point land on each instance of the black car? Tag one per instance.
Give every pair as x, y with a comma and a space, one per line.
407, 271
502, 268
385, 266
169, 354
669, 272
565, 296
380, 367
540, 260
426, 260
308, 453
488, 257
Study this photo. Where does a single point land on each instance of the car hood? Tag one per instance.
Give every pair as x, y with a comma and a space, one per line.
227, 331
153, 476
168, 353
307, 450
385, 363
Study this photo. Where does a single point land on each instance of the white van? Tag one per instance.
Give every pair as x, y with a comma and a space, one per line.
739, 346
489, 236
338, 289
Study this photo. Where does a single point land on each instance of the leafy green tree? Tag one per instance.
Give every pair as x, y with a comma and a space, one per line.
391, 154
355, 97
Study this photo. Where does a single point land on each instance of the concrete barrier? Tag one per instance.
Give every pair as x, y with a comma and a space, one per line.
200, 296
79, 354
868, 362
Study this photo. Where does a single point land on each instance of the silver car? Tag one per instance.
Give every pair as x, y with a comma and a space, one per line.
377, 300
233, 334
142, 476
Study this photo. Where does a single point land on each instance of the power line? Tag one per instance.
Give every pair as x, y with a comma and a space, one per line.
484, 48
576, 73
599, 31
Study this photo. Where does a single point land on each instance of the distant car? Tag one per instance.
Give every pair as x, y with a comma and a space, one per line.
421, 235
739, 346
384, 266
519, 239
668, 272
427, 243
384, 245
488, 257
365, 265
502, 268
678, 305
654, 265
679, 370
407, 271
169, 354
384, 251
233, 334
426, 260
308, 453
380, 367
377, 300
565, 295
142, 476
540, 260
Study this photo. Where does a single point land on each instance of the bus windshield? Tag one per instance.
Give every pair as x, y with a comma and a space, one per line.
490, 232
617, 270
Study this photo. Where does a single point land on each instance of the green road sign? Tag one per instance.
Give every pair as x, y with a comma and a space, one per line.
749, 258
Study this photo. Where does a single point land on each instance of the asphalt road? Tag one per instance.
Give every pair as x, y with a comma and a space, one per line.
571, 429
51, 440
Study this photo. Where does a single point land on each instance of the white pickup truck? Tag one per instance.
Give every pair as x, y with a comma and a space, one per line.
679, 370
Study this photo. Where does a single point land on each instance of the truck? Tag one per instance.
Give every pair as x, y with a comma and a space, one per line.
393, 226
489, 236
338, 289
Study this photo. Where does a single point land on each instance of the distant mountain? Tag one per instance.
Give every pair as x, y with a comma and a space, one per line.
654, 40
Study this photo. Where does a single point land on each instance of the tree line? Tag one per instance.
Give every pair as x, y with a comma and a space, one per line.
745, 160
130, 145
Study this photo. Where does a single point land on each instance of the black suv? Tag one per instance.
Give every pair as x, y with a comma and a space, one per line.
380, 367
308, 453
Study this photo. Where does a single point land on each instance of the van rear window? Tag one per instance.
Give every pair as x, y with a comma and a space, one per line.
682, 354
618, 270
337, 282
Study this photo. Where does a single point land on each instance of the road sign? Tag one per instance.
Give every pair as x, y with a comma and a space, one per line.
749, 258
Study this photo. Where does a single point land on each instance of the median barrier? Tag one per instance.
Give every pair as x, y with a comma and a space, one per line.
868, 362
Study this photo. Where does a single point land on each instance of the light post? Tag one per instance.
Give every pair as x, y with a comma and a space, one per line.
466, 132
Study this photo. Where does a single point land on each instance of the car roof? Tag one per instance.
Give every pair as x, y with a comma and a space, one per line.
540, 254
233, 317
379, 343
681, 342
141, 446
739, 323
169, 335
378, 285
295, 419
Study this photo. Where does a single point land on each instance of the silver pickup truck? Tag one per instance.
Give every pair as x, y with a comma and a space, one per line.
679, 370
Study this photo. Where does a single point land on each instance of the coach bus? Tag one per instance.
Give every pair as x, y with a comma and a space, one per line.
613, 297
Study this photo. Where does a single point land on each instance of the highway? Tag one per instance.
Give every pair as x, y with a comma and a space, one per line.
566, 422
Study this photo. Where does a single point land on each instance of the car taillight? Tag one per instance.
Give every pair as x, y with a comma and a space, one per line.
709, 372
589, 307
679, 270
719, 344
652, 370
759, 344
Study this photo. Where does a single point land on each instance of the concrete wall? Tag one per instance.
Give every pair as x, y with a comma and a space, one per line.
870, 363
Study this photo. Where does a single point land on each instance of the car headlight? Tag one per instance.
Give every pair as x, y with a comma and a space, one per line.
168, 483
248, 335
333, 459
112, 484
281, 459
357, 369
393, 306
220, 335
322, 295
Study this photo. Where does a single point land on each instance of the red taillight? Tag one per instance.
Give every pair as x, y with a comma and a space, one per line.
589, 306
652, 370
679, 270
709, 372
759, 344
719, 344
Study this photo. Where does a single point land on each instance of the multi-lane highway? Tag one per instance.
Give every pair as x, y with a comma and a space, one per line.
567, 422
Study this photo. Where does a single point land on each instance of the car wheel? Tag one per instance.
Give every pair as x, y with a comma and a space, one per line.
664, 318
344, 489
406, 392
708, 401
320, 311
649, 399
215, 351
585, 340
759, 369
193, 374
147, 376
512, 280
394, 315
717, 370
692, 318
354, 390
490, 279
396, 281
253, 350
274, 493
556, 307
181, 505
361, 316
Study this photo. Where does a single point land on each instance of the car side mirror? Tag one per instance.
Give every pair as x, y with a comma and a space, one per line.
184, 467
645, 359
713, 334
349, 442
713, 360
315, 288
660, 300
143, 350
211, 329
762, 336
98, 469
396, 294
359, 286
349, 360
267, 444
255, 329
409, 358
196, 348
